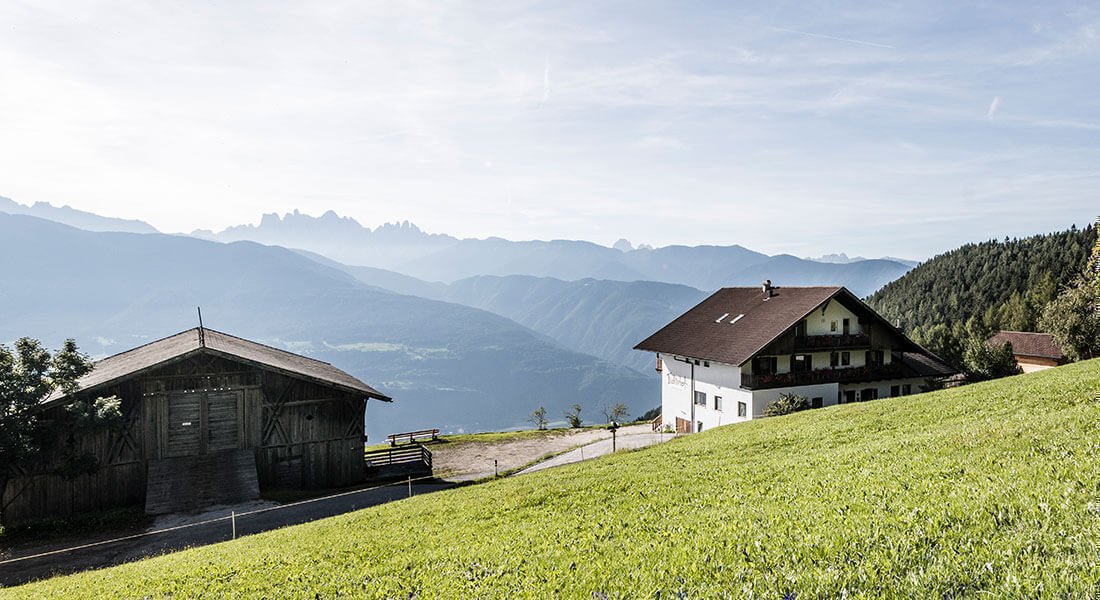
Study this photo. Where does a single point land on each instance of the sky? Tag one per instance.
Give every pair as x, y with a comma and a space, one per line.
877, 128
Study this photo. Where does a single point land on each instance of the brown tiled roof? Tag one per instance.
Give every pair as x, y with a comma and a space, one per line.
702, 333
1024, 343
126, 364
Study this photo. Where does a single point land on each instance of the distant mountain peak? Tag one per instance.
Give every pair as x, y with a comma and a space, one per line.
72, 217
841, 258
623, 245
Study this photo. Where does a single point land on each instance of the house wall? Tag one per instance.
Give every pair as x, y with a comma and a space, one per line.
821, 324
1030, 364
762, 399
716, 380
883, 387
724, 381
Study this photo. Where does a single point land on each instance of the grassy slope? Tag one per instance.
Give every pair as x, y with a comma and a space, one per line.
991, 487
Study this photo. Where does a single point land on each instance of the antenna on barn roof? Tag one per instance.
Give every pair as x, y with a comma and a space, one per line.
202, 333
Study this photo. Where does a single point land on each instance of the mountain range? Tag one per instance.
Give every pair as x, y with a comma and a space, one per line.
73, 217
405, 249
446, 365
467, 334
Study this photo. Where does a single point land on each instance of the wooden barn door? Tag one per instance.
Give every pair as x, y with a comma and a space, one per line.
184, 424
221, 418
203, 422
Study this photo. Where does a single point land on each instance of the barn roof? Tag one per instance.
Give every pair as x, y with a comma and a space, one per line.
1024, 343
151, 355
735, 324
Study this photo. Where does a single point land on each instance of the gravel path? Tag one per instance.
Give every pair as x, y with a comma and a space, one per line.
629, 438
471, 461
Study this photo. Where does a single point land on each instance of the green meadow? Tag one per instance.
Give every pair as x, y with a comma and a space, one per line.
988, 489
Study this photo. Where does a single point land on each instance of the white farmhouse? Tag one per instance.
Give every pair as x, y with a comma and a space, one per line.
729, 357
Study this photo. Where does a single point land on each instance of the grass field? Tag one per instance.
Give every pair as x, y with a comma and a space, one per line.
989, 488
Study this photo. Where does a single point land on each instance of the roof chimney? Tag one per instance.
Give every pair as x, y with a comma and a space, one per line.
767, 288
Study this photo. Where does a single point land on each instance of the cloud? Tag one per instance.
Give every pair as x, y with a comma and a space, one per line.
834, 38
993, 108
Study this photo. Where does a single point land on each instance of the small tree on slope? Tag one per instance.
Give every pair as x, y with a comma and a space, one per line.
28, 375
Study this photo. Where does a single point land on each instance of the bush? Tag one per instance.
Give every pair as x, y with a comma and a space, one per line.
786, 404
573, 416
985, 361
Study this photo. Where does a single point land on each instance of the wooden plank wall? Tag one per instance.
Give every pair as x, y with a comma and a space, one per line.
305, 435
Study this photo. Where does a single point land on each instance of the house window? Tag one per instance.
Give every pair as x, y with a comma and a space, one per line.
868, 394
845, 358
849, 395
742, 409
832, 327
874, 358
717, 403
801, 363
906, 389
800, 329
701, 398
847, 326
817, 402
764, 365
834, 359
895, 391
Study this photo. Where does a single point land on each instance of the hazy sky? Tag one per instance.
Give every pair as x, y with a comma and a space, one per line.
876, 128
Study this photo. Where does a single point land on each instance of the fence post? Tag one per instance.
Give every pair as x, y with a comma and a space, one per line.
233, 518
410, 486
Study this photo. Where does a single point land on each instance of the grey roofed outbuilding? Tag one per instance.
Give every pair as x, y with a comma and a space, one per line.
186, 343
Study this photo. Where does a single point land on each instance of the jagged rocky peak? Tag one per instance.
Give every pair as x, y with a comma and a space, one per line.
297, 219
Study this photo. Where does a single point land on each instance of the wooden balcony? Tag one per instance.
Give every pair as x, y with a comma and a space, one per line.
840, 375
832, 342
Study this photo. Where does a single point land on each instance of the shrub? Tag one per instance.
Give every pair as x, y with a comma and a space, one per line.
786, 404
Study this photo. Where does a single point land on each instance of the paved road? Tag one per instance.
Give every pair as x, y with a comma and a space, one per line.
628, 438
115, 553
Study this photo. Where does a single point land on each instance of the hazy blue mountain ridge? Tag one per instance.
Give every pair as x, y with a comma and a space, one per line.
407, 250
598, 317
447, 365
74, 218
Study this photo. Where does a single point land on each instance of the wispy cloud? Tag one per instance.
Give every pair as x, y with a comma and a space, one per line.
994, 106
834, 38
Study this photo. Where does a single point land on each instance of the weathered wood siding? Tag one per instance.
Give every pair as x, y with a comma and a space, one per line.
304, 435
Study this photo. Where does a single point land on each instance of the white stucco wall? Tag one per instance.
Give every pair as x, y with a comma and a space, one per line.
883, 387
716, 380
761, 399
724, 381
821, 324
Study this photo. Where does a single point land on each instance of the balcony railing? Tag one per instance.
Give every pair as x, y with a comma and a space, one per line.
830, 342
848, 375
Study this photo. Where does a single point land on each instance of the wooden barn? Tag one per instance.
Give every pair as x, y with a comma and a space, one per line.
209, 418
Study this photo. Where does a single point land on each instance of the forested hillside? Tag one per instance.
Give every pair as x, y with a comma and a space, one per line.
983, 287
